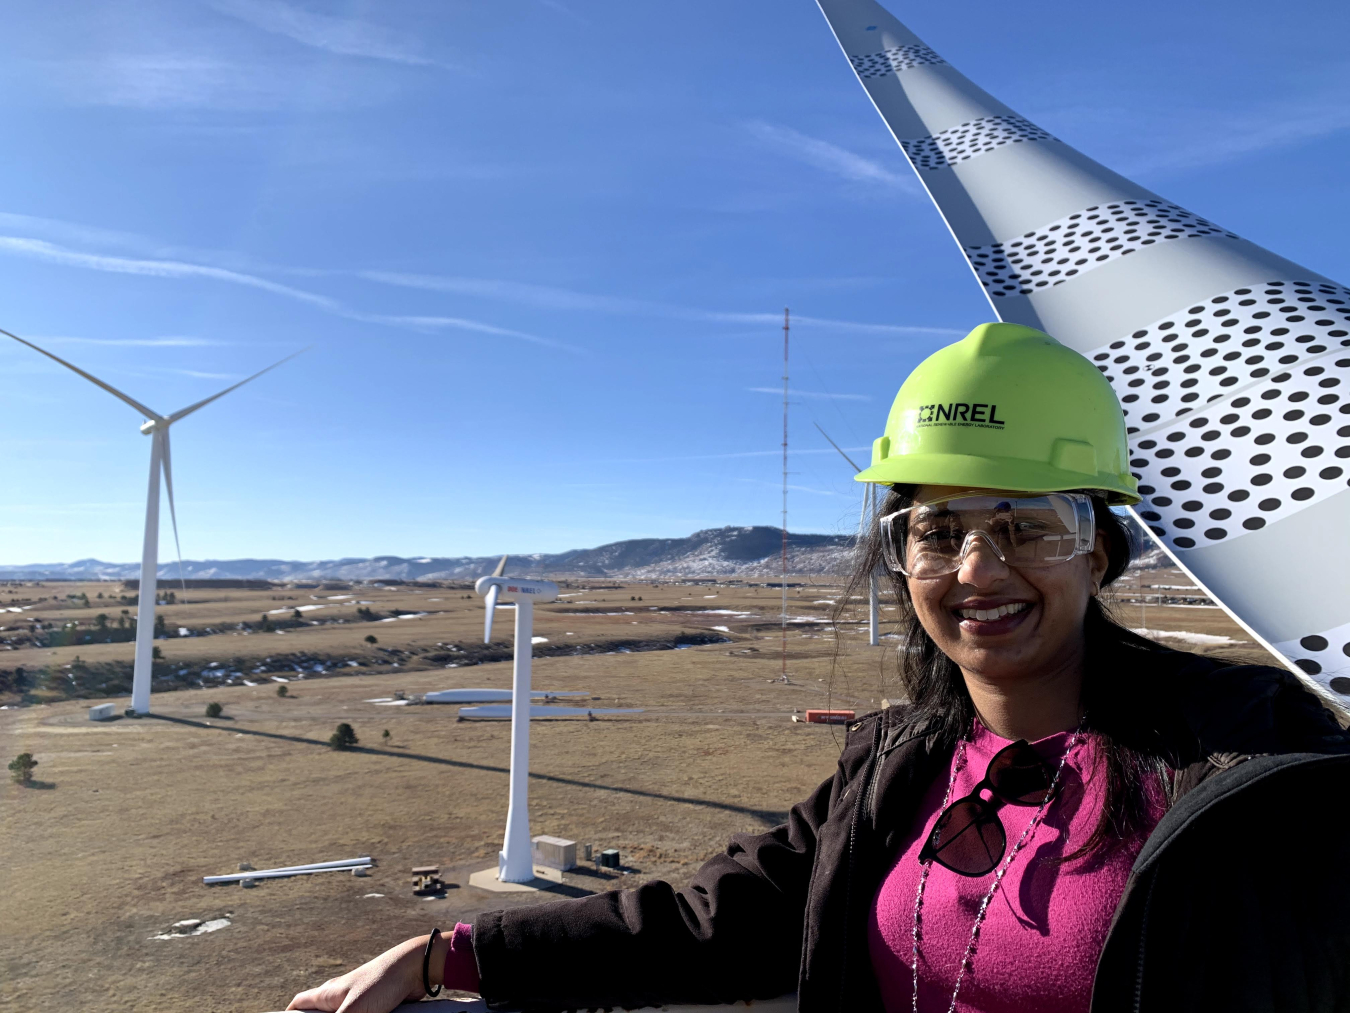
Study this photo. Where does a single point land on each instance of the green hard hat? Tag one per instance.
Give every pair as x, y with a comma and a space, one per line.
1006, 407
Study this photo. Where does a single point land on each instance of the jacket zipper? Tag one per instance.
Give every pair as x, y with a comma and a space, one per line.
1143, 942
858, 808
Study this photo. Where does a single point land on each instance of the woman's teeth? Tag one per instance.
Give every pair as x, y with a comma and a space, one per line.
988, 615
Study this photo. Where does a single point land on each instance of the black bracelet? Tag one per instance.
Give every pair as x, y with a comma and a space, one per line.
426, 964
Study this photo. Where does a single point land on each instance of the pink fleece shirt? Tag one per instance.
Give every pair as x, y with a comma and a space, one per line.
1047, 924
461, 969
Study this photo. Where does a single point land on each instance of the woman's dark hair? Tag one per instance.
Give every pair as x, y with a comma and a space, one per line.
1128, 751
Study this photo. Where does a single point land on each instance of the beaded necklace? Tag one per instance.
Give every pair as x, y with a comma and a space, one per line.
968, 957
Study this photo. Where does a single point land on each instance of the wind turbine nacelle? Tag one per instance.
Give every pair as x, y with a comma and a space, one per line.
517, 589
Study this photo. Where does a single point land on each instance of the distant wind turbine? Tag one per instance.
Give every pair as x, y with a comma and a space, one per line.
156, 426
869, 510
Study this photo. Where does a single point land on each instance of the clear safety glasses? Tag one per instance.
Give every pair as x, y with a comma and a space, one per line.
931, 539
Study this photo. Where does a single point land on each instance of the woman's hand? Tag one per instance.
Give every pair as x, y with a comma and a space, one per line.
379, 985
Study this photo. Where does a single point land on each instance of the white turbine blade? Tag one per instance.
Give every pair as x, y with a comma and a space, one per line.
491, 602
837, 447
184, 412
1140, 285
501, 567
173, 513
92, 379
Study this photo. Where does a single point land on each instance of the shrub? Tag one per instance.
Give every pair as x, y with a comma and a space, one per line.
386, 736
21, 768
344, 737
213, 709
282, 690
371, 639
156, 653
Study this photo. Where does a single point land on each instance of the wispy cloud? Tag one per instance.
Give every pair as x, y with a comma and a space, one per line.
810, 393
792, 488
165, 261
1211, 139
341, 36
198, 374
190, 81
52, 253
183, 79
72, 232
40, 249
722, 457
166, 342
551, 297
546, 296
1171, 138
830, 157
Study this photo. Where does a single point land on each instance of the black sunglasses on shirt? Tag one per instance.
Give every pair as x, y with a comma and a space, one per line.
968, 837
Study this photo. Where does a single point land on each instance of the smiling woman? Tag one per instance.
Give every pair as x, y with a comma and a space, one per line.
1128, 807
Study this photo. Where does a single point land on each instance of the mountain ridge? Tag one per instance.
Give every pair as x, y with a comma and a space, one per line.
753, 550
732, 551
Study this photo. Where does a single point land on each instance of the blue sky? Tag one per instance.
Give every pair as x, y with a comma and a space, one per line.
541, 249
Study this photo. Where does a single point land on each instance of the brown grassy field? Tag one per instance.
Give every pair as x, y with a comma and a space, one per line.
106, 848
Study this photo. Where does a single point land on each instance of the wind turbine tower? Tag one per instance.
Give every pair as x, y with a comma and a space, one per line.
515, 864
156, 427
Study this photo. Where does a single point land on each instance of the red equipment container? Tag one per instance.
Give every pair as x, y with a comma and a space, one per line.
823, 717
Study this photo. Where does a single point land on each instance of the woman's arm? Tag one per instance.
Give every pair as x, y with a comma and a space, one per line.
379, 985
734, 933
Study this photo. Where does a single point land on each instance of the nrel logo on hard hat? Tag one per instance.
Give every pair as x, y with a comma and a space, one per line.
958, 413
1006, 407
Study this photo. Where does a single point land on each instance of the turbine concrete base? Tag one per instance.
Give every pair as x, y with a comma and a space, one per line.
544, 879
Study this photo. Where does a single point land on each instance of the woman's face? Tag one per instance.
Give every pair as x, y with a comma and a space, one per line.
1047, 631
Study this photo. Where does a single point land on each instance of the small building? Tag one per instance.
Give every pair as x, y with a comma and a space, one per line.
554, 852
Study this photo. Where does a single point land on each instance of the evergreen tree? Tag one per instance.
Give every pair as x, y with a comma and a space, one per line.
21, 768
343, 738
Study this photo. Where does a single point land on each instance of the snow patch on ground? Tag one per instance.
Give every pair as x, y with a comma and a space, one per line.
193, 927
1196, 639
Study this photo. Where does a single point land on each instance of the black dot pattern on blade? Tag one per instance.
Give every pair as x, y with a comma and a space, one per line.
1247, 461
892, 61
1271, 333
1079, 242
1325, 656
977, 137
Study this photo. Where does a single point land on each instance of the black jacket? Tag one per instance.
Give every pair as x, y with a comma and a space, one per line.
1239, 899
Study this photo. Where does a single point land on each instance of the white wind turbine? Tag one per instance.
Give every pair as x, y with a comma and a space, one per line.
515, 864
156, 426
